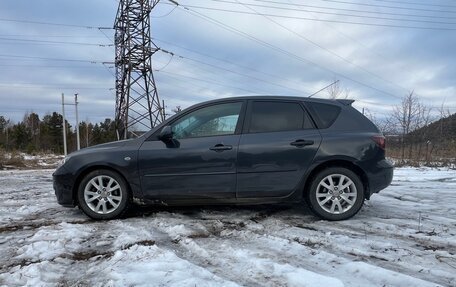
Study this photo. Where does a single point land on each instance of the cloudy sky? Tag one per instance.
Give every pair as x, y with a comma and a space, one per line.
378, 49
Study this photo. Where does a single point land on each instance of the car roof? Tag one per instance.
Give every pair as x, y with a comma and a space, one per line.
282, 98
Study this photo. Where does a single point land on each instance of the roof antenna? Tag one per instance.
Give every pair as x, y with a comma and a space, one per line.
333, 83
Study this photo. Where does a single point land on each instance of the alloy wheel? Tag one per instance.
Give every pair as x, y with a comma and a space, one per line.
103, 194
336, 193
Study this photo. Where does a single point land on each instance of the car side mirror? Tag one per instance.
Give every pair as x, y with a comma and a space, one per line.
166, 134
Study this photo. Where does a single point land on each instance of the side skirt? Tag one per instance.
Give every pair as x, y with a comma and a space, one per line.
294, 197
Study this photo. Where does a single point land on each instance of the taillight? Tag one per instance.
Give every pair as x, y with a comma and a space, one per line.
380, 141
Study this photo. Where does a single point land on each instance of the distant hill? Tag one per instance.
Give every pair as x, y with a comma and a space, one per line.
441, 131
434, 143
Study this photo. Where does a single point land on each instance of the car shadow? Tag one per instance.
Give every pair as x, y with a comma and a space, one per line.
201, 212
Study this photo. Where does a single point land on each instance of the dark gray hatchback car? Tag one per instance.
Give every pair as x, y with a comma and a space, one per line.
247, 150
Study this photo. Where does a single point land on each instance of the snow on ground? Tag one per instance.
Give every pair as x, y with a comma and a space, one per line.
15, 160
404, 236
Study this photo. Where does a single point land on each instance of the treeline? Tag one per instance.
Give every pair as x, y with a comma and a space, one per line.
33, 134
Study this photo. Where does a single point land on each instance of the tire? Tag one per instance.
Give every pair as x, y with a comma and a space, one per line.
103, 194
337, 201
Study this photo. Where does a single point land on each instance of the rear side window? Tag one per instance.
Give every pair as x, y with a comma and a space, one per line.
276, 116
324, 114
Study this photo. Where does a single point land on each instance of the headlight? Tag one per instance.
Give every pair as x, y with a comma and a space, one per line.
64, 160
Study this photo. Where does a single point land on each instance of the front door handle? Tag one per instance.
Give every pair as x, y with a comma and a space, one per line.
221, 147
301, 143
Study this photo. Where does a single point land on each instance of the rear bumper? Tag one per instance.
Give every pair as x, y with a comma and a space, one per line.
63, 187
380, 177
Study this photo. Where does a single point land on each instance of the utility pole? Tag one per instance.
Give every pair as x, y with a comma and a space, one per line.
163, 110
87, 132
64, 126
65, 150
137, 101
78, 141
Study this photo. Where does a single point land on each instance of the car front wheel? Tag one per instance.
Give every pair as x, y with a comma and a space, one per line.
335, 194
103, 194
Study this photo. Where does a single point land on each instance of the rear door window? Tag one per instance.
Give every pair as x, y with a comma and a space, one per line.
276, 116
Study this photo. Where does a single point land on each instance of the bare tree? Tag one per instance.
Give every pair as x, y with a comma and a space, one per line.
335, 91
384, 124
411, 115
406, 115
177, 109
424, 119
443, 113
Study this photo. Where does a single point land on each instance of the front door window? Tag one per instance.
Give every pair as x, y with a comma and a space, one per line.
209, 121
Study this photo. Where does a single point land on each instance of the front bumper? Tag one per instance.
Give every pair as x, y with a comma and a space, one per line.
63, 187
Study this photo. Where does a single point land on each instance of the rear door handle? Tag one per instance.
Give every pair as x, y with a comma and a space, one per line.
221, 147
301, 143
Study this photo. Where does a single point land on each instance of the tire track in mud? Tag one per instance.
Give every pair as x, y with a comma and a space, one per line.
27, 226
219, 230
191, 248
198, 248
375, 259
413, 239
83, 255
234, 234
178, 246
96, 253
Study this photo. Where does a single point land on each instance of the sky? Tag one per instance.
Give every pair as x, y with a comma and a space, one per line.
379, 50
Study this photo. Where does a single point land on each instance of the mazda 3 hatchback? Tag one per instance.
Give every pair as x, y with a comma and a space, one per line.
247, 150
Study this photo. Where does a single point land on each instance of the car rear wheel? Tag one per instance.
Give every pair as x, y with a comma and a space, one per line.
103, 194
335, 194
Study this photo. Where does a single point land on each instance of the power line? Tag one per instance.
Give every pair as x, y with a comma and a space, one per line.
355, 10
166, 14
237, 73
321, 47
49, 86
206, 81
277, 49
33, 58
216, 67
390, 7
49, 66
49, 36
232, 63
415, 3
171, 57
331, 26
55, 42
53, 59
191, 82
213, 66
106, 35
320, 20
204, 63
324, 48
53, 24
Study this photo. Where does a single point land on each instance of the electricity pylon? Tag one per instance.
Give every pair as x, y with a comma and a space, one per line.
137, 102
